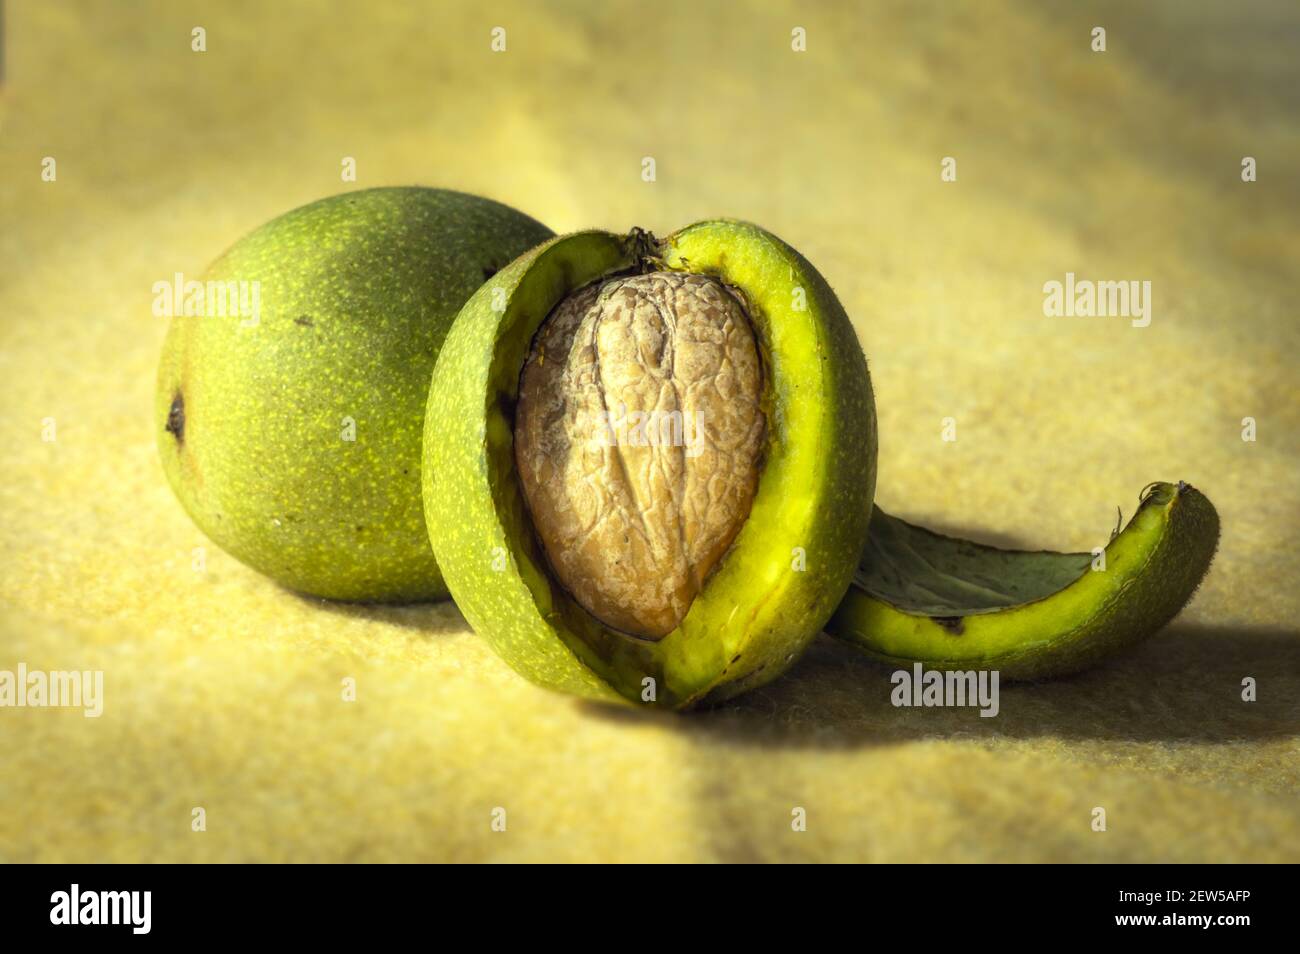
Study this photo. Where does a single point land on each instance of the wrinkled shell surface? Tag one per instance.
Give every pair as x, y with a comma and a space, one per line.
638, 440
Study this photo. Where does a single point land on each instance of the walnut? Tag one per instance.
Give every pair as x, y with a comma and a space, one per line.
638, 441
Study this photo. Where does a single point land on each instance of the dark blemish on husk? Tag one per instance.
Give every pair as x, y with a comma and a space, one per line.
176, 418
305, 321
953, 625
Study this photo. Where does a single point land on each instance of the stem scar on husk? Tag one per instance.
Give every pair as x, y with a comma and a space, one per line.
176, 418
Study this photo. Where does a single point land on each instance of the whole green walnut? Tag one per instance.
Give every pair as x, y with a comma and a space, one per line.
293, 382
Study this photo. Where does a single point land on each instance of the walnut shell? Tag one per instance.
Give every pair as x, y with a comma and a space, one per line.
638, 440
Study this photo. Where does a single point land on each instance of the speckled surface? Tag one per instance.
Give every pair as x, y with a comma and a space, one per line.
224, 691
290, 426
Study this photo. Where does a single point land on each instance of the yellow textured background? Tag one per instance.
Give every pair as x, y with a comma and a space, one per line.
223, 691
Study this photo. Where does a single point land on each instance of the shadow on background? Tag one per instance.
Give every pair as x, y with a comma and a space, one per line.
1182, 685
427, 619
980, 535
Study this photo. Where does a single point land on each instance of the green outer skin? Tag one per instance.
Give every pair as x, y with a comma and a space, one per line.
357, 293
1152, 569
757, 612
